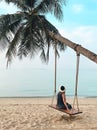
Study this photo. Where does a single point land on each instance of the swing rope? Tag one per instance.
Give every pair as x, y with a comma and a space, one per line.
75, 98
76, 82
55, 74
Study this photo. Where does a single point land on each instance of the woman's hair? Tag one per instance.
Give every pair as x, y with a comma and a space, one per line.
62, 89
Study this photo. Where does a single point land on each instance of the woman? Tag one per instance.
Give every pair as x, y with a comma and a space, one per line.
61, 99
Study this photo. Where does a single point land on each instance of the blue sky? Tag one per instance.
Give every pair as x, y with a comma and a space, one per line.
79, 25
80, 22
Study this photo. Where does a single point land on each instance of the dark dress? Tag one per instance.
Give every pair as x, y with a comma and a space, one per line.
60, 102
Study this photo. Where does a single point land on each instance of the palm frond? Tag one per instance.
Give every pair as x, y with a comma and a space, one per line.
12, 49
58, 11
30, 3
43, 56
9, 22
51, 6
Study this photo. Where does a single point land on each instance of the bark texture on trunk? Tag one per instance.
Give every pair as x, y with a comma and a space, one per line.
76, 47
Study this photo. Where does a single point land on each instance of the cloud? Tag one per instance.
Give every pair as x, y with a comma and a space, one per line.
4, 8
83, 35
77, 8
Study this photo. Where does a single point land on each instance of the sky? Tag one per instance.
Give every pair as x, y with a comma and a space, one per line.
79, 25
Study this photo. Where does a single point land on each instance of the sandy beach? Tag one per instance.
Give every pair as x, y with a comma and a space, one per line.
35, 114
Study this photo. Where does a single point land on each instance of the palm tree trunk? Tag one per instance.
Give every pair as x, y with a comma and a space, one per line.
76, 47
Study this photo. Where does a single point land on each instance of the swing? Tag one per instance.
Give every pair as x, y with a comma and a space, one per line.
73, 111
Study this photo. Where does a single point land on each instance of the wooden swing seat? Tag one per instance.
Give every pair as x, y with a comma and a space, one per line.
65, 111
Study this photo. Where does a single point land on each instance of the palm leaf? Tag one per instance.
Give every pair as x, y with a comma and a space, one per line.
53, 6
27, 30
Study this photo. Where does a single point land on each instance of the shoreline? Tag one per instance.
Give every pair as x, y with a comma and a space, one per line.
46, 97
45, 100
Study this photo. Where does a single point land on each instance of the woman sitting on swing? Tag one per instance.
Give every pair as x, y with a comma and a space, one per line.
61, 100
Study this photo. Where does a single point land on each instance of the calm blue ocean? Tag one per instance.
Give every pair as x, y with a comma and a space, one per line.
40, 82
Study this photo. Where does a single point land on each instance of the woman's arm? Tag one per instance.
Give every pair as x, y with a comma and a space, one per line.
64, 100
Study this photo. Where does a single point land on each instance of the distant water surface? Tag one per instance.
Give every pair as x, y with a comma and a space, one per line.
40, 82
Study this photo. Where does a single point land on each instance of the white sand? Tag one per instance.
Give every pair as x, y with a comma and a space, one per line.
34, 114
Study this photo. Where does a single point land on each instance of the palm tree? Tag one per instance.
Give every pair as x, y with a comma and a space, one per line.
26, 32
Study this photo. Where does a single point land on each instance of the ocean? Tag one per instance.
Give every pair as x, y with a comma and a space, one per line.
39, 82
